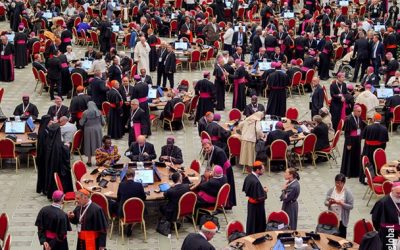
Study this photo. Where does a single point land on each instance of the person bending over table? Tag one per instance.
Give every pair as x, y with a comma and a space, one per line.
208, 189
171, 153
141, 150
107, 155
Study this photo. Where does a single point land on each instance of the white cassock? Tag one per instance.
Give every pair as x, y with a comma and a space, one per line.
369, 100
141, 55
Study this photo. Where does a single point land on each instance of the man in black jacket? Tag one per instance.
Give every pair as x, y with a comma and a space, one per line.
105, 34
317, 97
239, 39
38, 63
321, 131
161, 53
169, 67
98, 89
141, 150
78, 104
54, 74
199, 241
170, 210
208, 190
361, 53
278, 134
171, 153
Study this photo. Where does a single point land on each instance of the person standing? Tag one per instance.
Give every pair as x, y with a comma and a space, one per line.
41, 154
228, 35
115, 71
338, 90
239, 81
6, 60
205, 89
78, 104
340, 200
351, 157
317, 97
98, 89
91, 222
325, 58
140, 92
277, 82
220, 81
136, 123
141, 54
53, 65
161, 53
256, 194
385, 215
169, 67
289, 196
92, 122
114, 118
53, 224
211, 31
105, 35
361, 54
20, 41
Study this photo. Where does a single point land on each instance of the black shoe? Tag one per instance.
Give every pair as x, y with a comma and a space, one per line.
89, 164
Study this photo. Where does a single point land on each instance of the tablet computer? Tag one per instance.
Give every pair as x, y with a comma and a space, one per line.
15, 127
145, 176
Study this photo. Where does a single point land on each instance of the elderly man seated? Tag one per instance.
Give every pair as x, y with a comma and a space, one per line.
67, 130
345, 59
394, 81
369, 100
208, 189
141, 150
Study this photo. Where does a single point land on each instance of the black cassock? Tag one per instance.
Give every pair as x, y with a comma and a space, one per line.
41, 154
26, 111
57, 160
219, 87
140, 92
239, 93
351, 159
126, 93
206, 92
93, 222
376, 136
336, 108
77, 106
65, 75
53, 226
385, 219
66, 39
152, 41
137, 124
256, 219
21, 55
277, 83
114, 119
6, 62
219, 135
218, 157
195, 241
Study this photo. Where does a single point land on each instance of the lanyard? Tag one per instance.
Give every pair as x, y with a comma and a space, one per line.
133, 115
58, 110
25, 108
397, 207
210, 157
84, 211
340, 88
126, 90
142, 150
357, 121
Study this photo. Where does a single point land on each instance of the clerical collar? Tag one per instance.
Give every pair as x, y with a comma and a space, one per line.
56, 205
255, 174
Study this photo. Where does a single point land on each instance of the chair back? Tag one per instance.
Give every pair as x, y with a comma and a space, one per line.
133, 70
106, 106
35, 73
77, 21
184, 82
210, 53
222, 24
173, 26
335, 140
364, 161
340, 125
133, 211
387, 187
7, 149
309, 76
296, 78
210, 11
205, 135
234, 226
309, 144
361, 227
58, 182
379, 160
186, 204
199, 41
363, 111
278, 150
195, 56
235, 114
338, 53
2, 10
4, 224
193, 103
240, 13
234, 146
7, 243
127, 39
292, 113
36, 48
179, 110
77, 140
292, 23
135, 11
396, 114
178, 4
1, 94
102, 201
222, 197
195, 165
79, 169
280, 216
42, 78
95, 37
78, 185
369, 178
77, 80
75, 34
328, 218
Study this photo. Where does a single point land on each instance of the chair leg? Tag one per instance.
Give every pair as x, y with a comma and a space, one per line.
16, 165
112, 227
170, 127
27, 161
183, 125
301, 166
144, 230
366, 191
194, 223
226, 219
290, 92
313, 160
34, 163
176, 230
80, 155
269, 167
122, 233
370, 198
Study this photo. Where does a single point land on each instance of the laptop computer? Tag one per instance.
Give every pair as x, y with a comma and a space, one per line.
384, 93
144, 176
15, 127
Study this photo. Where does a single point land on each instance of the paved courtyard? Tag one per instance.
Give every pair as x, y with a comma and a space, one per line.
20, 201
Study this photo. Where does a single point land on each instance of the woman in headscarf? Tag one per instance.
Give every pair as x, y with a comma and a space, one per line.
57, 160
41, 153
92, 122
251, 131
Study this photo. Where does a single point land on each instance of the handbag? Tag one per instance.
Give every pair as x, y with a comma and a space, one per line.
327, 229
236, 235
276, 226
163, 227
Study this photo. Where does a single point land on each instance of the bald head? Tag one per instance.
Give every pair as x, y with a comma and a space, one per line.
63, 120
141, 140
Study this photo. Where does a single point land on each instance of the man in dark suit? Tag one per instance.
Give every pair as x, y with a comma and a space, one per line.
171, 153
377, 54
361, 54
105, 35
317, 97
90, 53
161, 53
321, 130
200, 241
78, 104
38, 63
128, 189
238, 54
169, 67
239, 39
208, 190
260, 55
78, 69
115, 71
257, 43
370, 78
54, 74
58, 110
141, 150
278, 134
98, 89
145, 78
170, 210
253, 107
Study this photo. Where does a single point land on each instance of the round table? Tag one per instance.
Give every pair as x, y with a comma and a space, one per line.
322, 243
390, 172
112, 187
